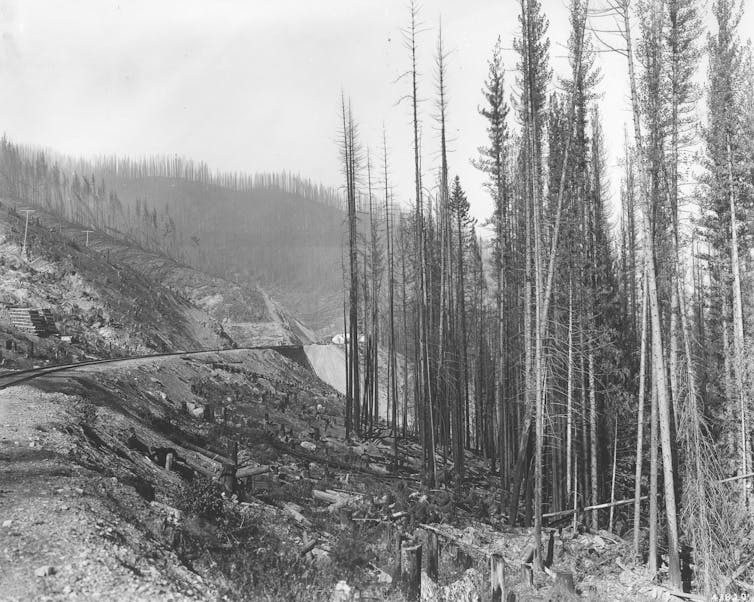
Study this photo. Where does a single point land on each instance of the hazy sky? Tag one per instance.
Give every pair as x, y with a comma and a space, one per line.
255, 85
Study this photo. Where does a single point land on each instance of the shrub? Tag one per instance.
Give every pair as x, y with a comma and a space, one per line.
203, 498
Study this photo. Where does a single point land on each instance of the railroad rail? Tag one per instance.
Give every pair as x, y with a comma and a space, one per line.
20, 376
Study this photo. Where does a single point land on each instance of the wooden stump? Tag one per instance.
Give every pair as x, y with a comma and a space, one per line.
550, 549
497, 578
433, 555
463, 560
565, 580
169, 461
395, 542
229, 470
228, 477
527, 575
411, 569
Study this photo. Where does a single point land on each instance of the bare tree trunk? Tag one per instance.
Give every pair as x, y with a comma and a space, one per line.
569, 394
653, 469
640, 417
658, 358
593, 439
738, 329
612, 482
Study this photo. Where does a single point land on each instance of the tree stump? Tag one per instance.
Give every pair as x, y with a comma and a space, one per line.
565, 580
550, 549
497, 578
411, 567
228, 477
527, 575
463, 560
169, 461
433, 555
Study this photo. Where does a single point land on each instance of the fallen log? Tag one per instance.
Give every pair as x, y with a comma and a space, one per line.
737, 478
251, 471
466, 547
330, 496
294, 511
589, 508
309, 547
215, 457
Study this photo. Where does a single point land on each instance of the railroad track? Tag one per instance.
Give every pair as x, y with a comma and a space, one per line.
17, 377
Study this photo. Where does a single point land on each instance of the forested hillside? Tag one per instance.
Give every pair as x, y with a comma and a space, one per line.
590, 359
276, 230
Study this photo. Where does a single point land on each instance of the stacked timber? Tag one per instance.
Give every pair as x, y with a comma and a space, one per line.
38, 322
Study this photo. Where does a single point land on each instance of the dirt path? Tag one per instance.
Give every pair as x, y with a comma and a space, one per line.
63, 528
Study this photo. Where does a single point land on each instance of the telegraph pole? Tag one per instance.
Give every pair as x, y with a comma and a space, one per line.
26, 229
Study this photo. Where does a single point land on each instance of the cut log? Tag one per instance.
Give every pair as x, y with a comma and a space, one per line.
411, 565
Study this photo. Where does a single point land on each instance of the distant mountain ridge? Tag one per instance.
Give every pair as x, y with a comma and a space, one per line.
278, 230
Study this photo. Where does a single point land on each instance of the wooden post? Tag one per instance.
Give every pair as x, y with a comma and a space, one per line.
169, 461
497, 578
433, 555
411, 566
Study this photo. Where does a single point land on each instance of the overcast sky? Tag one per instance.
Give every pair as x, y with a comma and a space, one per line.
255, 85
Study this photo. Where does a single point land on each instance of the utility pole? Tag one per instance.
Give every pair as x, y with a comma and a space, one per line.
87, 237
26, 229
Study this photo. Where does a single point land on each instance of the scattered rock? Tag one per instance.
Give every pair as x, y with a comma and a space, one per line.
45, 571
344, 593
466, 589
309, 446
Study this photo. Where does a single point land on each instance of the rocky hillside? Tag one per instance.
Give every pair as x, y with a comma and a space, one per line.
116, 299
222, 474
